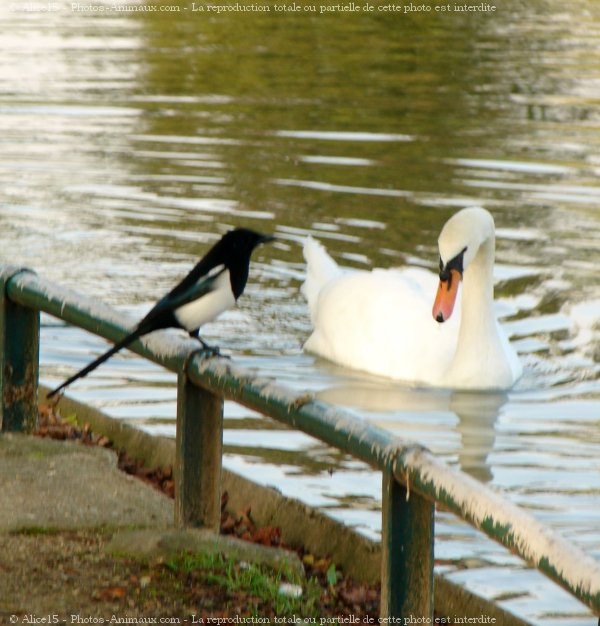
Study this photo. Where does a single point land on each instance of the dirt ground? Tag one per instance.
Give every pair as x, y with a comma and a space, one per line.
64, 574
67, 577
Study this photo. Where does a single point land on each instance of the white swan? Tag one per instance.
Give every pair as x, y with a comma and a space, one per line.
381, 321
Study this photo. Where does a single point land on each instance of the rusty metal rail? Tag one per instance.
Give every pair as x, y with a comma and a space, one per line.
413, 479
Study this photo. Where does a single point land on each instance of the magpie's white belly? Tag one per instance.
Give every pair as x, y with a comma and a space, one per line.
193, 315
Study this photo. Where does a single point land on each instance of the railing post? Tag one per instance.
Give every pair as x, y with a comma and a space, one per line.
19, 360
199, 449
407, 553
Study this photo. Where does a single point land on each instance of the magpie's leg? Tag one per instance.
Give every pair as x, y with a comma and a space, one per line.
213, 350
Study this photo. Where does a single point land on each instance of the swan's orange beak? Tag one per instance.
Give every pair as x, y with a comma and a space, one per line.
446, 296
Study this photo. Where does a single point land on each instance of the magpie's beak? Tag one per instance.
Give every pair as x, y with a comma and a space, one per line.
267, 239
446, 294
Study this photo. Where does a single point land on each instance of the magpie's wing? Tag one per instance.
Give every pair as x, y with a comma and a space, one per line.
185, 292
210, 265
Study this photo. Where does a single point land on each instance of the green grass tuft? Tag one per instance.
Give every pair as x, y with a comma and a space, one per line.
258, 582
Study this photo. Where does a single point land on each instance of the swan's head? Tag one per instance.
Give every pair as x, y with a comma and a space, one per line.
460, 239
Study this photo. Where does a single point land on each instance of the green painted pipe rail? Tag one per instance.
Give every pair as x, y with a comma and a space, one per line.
413, 479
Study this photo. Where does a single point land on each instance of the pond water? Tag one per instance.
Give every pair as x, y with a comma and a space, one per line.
129, 141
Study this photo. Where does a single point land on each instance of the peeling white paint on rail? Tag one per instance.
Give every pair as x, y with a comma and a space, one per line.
383, 446
533, 541
65, 297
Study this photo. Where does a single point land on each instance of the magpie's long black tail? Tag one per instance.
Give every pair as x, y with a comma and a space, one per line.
138, 332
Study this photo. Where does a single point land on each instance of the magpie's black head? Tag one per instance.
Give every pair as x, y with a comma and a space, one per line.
234, 251
243, 241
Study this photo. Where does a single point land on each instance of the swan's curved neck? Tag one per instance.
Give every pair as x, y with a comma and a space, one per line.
478, 286
479, 342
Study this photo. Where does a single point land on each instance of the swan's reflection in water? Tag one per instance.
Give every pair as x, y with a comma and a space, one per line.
456, 424
477, 414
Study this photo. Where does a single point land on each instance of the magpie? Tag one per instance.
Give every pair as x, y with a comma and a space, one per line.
212, 287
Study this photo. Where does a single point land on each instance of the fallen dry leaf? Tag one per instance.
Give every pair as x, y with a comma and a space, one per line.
112, 593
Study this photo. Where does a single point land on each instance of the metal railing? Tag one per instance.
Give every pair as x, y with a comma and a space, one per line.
413, 479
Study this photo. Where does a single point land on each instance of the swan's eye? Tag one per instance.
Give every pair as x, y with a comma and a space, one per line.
455, 263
